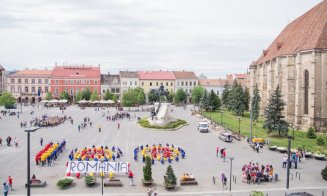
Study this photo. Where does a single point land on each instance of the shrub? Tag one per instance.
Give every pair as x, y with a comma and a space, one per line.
147, 171
65, 182
170, 178
89, 180
257, 193
311, 133
324, 173
320, 141
145, 123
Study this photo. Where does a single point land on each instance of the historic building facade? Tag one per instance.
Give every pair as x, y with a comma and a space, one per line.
74, 79
185, 80
153, 79
128, 79
2, 79
110, 82
29, 86
297, 62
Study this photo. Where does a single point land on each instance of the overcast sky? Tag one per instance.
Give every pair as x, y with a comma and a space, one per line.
213, 37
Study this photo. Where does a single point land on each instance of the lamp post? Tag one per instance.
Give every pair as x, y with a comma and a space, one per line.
28, 160
288, 163
293, 127
221, 117
251, 116
239, 125
210, 114
102, 174
230, 173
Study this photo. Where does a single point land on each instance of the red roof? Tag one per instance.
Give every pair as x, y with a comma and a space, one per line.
76, 72
240, 76
309, 31
32, 73
212, 82
156, 75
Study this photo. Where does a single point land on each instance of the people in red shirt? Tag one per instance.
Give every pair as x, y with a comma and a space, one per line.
10, 182
130, 176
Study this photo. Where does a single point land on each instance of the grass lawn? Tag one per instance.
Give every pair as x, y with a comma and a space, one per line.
232, 122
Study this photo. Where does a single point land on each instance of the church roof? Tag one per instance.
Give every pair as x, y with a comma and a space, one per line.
309, 31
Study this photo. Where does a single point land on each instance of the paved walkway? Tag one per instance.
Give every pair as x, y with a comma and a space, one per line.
200, 155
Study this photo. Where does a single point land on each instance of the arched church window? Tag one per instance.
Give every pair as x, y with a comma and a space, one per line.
306, 92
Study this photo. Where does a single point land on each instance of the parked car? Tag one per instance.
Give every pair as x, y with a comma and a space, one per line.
299, 194
203, 127
226, 137
11, 107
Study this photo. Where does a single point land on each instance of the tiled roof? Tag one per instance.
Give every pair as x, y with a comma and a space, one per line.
32, 73
129, 74
156, 75
309, 31
76, 72
212, 82
109, 79
184, 75
240, 76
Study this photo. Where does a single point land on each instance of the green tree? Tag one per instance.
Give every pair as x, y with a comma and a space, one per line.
7, 100
114, 98
64, 95
204, 100
108, 95
225, 95
170, 97
273, 113
86, 94
197, 93
236, 99
94, 96
141, 97
311, 133
324, 173
180, 96
129, 98
255, 103
48, 96
214, 100
246, 98
170, 177
152, 96
78, 96
147, 171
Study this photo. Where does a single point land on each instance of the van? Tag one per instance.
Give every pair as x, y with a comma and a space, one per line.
203, 127
226, 137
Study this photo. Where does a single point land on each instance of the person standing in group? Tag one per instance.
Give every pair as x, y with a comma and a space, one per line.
223, 179
79, 128
131, 176
155, 193
5, 189
10, 182
224, 154
217, 151
16, 141
257, 147
284, 161
0, 141
118, 126
41, 141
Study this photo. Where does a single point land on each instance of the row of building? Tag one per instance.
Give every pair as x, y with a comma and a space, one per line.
31, 86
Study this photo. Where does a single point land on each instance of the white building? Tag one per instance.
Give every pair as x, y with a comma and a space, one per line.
128, 79
185, 80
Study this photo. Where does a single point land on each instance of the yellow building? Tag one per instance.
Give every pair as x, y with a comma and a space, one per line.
153, 79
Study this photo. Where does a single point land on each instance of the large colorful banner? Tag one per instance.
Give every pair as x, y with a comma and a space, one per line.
97, 167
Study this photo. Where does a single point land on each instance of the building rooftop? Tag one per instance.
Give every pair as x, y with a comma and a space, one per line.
32, 73
309, 31
76, 72
184, 75
129, 74
240, 76
212, 82
1, 68
156, 75
110, 79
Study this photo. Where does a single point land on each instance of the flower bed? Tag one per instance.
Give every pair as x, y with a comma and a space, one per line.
172, 125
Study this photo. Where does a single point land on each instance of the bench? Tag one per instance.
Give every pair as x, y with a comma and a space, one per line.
113, 182
188, 182
37, 183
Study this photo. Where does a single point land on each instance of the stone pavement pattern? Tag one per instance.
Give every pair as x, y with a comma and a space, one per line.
200, 154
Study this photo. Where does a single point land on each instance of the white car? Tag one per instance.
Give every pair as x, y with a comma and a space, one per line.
203, 127
226, 137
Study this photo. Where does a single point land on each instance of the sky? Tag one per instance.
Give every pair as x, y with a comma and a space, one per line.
213, 37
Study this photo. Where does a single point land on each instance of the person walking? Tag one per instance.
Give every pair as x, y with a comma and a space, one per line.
79, 128
257, 147
217, 151
131, 176
224, 154
10, 182
223, 179
284, 161
0, 141
5, 189
41, 141
16, 141
155, 193
118, 126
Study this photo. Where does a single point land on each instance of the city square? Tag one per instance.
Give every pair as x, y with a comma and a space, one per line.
200, 158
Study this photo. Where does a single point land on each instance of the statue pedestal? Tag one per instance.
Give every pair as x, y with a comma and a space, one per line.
163, 116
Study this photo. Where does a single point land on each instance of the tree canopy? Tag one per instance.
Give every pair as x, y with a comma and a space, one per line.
86, 94
94, 96
153, 96
133, 97
64, 95
180, 96
48, 96
7, 99
197, 93
273, 113
108, 95
214, 101
255, 103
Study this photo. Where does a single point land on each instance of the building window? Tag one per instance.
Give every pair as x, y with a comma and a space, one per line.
12, 89
19, 81
46, 81
19, 89
306, 92
95, 82
56, 90
77, 82
157, 83
46, 89
150, 83
142, 83
130, 83
39, 81
26, 81
190, 83
186, 83
57, 81
26, 89
117, 90
171, 84
182, 83
71, 91
194, 83
66, 90
12, 81
33, 89
72, 82
66, 82
33, 81
87, 81
166, 83
135, 83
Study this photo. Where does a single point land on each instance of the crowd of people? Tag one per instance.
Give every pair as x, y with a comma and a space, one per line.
96, 153
49, 153
160, 153
8, 141
117, 116
255, 173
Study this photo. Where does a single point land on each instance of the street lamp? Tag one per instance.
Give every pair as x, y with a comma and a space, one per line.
28, 160
221, 117
288, 163
102, 174
230, 173
293, 127
239, 125
210, 114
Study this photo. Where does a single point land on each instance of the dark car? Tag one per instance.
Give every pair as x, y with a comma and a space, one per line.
12, 113
11, 107
299, 194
